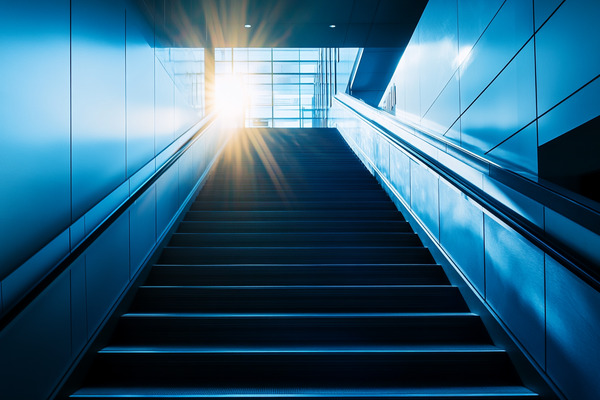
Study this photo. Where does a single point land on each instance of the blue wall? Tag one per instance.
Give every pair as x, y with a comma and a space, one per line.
551, 314
502, 77
88, 114
86, 105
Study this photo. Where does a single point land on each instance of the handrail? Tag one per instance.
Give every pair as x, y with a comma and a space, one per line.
582, 268
62, 265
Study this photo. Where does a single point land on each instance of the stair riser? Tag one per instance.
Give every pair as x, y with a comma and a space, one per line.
297, 275
300, 331
299, 300
305, 370
296, 205
283, 195
293, 226
298, 240
328, 215
270, 255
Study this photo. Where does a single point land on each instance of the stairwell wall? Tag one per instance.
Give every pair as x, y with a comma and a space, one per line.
87, 109
89, 114
502, 79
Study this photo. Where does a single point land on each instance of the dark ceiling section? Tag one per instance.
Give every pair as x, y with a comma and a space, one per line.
286, 23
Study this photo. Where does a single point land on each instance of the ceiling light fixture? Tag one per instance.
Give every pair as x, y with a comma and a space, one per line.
247, 26
332, 26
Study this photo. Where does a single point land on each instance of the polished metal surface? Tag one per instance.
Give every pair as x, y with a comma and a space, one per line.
424, 196
143, 223
543, 9
514, 285
565, 59
510, 29
139, 79
445, 110
98, 102
519, 151
437, 50
35, 131
106, 272
43, 335
473, 19
505, 107
573, 349
461, 234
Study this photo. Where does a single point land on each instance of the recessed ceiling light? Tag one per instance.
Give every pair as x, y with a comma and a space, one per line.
247, 26
332, 26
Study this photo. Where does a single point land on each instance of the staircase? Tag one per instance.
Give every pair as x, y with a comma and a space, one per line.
293, 275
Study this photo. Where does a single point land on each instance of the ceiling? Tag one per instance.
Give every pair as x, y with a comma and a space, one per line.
286, 23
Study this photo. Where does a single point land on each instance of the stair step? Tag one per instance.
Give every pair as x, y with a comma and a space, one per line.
297, 274
309, 226
283, 195
313, 366
291, 205
262, 393
301, 299
270, 255
321, 215
300, 329
293, 239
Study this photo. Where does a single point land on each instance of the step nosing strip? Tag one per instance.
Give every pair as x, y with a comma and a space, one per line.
303, 315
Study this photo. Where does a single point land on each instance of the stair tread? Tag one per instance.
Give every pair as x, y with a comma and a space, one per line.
302, 349
306, 391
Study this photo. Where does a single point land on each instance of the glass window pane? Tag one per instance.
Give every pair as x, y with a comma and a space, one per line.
307, 113
240, 54
288, 89
259, 67
259, 78
286, 112
286, 123
259, 54
308, 68
223, 54
240, 67
286, 54
307, 89
285, 67
286, 79
223, 67
286, 100
258, 123
307, 100
309, 54
260, 112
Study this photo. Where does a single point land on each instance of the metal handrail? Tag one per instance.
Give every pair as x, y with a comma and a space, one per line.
62, 265
578, 265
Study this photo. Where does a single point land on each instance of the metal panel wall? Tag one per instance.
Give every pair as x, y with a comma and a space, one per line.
98, 90
515, 62
549, 312
35, 131
75, 144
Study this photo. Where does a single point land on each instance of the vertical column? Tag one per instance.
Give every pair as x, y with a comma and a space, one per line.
209, 78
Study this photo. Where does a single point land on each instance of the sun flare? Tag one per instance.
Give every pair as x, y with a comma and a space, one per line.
232, 95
